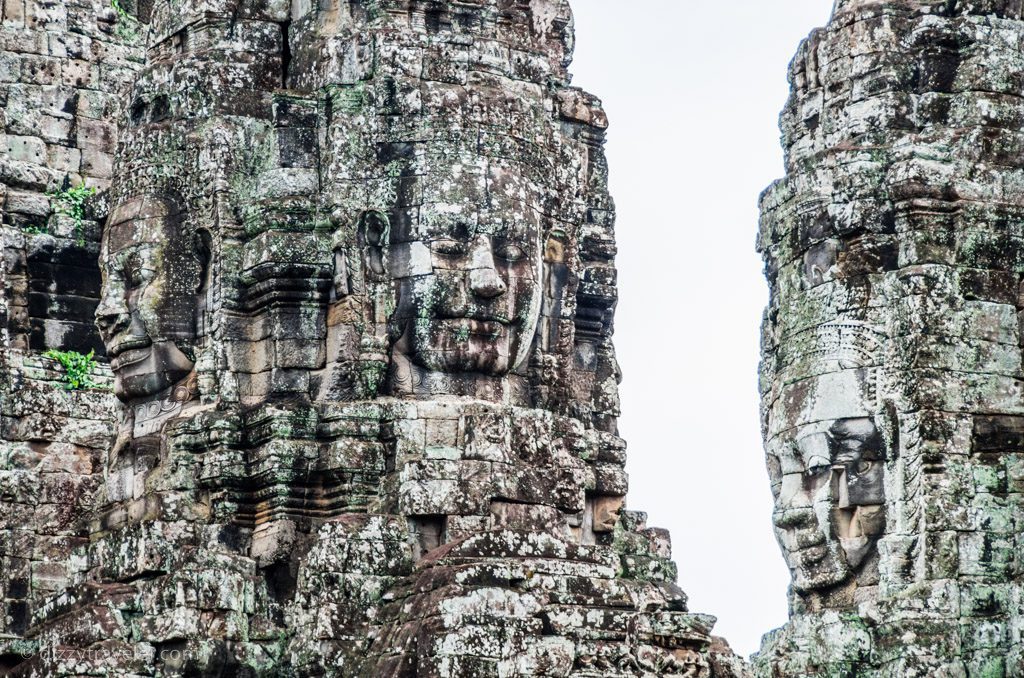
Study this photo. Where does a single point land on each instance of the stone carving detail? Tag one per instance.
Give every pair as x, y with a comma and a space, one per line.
826, 456
358, 291
154, 276
891, 361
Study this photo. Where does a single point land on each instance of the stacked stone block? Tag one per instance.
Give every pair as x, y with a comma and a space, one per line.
63, 66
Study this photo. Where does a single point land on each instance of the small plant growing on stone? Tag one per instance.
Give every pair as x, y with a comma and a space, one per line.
33, 229
125, 29
71, 202
77, 366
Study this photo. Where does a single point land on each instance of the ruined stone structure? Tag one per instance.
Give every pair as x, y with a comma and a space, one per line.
349, 275
356, 412
891, 381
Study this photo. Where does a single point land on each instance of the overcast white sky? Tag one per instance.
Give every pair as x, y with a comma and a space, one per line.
693, 90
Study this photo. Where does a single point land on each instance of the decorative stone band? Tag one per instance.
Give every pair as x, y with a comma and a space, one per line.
150, 417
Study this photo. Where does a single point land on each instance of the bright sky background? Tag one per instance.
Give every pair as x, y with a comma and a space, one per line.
693, 91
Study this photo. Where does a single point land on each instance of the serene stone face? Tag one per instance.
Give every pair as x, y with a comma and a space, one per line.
468, 289
152, 275
830, 505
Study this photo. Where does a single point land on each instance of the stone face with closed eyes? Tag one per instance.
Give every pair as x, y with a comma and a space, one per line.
358, 296
891, 359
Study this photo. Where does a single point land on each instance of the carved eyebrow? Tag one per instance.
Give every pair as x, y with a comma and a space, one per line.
516, 237
459, 231
847, 456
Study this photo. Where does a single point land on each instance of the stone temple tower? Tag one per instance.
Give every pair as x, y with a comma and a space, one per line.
892, 384
351, 265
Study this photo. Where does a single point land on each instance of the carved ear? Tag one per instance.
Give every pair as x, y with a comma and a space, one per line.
555, 247
203, 248
372, 233
203, 245
341, 287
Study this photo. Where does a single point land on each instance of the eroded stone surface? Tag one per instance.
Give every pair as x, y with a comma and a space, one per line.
891, 367
61, 68
357, 301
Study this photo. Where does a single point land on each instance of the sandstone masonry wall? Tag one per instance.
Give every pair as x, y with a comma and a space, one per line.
63, 69
357, 291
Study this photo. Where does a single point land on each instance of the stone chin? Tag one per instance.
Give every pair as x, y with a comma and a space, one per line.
818, 567
145, 372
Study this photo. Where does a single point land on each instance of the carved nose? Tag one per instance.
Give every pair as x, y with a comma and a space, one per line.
485, 282
484, 279
840, 488
111, 317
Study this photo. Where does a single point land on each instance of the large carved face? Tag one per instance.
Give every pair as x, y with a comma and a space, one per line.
829, 498
468, 284
152, 275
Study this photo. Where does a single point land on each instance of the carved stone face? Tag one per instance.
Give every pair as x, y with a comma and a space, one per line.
476, 308
152, 275
830, 506
468, 289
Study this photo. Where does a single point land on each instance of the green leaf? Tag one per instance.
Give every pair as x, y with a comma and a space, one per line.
78, 368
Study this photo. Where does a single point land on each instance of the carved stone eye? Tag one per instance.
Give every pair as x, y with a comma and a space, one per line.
863, 467
818, 466
134, 278
816, 476
818, 470
510, 252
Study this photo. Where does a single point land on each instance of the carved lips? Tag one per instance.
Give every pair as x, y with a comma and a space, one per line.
128, 351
